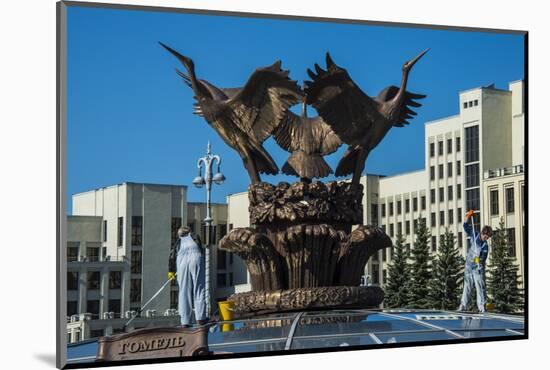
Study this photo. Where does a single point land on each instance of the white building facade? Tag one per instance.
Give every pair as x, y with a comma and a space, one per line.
119, 239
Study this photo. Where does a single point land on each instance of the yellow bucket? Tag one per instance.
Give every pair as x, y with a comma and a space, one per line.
226, 310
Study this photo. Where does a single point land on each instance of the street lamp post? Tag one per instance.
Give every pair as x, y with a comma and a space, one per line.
207, 161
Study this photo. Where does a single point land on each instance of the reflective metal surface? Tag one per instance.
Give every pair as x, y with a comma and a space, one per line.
340, 328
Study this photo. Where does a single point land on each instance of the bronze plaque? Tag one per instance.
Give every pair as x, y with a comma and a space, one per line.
153, 343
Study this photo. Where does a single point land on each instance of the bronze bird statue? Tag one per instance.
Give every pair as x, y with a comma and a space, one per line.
308, 140
359, 120
244, 117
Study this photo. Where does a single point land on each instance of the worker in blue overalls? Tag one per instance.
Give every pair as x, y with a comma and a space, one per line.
188, 266
474, 271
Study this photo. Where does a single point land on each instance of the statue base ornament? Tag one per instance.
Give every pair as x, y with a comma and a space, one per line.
301, 252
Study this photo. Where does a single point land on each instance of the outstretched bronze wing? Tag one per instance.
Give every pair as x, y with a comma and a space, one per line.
342, 104
405, 110
312, 135
308, 140
261, 104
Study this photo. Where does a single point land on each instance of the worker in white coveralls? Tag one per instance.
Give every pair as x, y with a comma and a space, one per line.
474, 271
187, 260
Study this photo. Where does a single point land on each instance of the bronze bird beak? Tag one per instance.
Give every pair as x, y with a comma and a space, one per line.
413, 61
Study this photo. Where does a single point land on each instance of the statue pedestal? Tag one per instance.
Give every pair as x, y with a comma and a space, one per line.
301, 252
154, 343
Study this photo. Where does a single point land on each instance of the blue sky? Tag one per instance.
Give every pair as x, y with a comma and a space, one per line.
130, 116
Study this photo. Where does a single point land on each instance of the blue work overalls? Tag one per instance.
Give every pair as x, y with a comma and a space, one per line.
190, 268
474, 273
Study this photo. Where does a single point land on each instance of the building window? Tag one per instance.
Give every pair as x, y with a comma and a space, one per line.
423, 202
451, 213
398, 207
92, 306
441, 194
432, 150
465, 105
222, 259
432, 173
457, 144
72, 280
449, 169
440, 148
450, 192
511, 234
458, 168
92, 253
115, 280
432, 196
221, 280
223, 230
135, 290
472, 144
174, 299
441, 218
407, 227
432, 219
92, 282
137, 230
472, 199
470, 103
475, 103
384, 254
391, 208
415, 225
494, 202
415, 204
407, 205
449, 146
509, 200
135, 262
459, 214
391, 230
440, 170
96, 333
399, 228
120, 231
72, 254
176, 224
458, 191
114, 306
104, 230
72, 308
434, 243
472, 175
460, 239
383, 209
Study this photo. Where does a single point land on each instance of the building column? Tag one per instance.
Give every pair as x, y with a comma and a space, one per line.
104, 292
82, 291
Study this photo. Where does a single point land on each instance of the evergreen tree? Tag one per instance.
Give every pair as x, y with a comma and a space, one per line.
503, 280
447, 275
418, 286
398, 277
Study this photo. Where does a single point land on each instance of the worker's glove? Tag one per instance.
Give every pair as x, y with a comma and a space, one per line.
470, 213
171, 275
